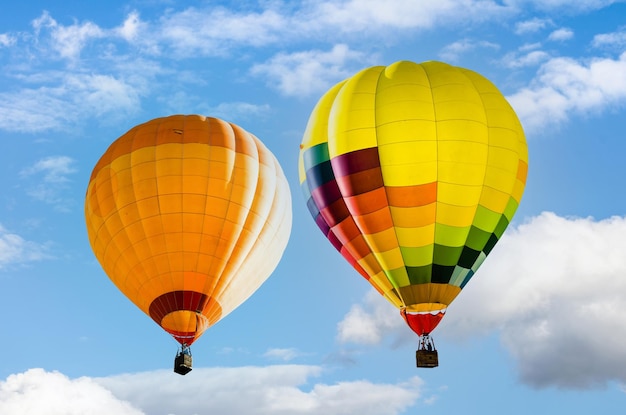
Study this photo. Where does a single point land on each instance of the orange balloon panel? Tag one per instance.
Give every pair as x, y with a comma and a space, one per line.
188, 216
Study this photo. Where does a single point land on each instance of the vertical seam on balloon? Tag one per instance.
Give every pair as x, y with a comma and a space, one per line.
167, 255
392, 281
140, 220
212, 280
158, 278
182, 220
206, 275
223, 270
489, 144
432, 96
235, 272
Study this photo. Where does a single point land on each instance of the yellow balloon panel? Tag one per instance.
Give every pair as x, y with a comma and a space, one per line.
188, 215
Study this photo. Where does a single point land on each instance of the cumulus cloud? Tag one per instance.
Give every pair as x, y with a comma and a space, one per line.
268, 390
259, 390
14, 249
371, 322
564, 87
39, 392
552, 289
131, 27
306, 73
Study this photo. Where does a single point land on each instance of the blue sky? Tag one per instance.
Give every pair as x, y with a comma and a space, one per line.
542, 326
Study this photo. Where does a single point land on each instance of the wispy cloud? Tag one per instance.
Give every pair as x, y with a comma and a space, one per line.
284, 354
533, 25
526, 56
64, 100
49, 179
610, 40
67, 41
6, 40
63, 74
15, 250
453, 51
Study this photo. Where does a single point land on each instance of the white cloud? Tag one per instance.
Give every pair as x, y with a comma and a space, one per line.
217, 31
452, 51
38, 392
268, 390
353, 16
530, 58
612, 40
532, 25
131, 28
68, 41
306, 73
284, 354
64, 104
52, 178
104, 70
561, 34
16, 250
6, 40
259, 390
371, 322
232, 111
552, 288
564, 87
565, 5
55, 169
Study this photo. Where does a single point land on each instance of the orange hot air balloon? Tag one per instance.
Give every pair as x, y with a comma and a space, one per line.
413, 172
188, 216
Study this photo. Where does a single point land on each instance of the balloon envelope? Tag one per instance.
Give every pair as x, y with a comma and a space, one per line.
413, 172
188, 216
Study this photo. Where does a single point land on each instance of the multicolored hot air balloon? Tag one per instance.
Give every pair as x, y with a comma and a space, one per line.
413, 172
188, 216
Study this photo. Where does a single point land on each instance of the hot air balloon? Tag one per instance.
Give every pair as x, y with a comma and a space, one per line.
413, 172
188, 216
